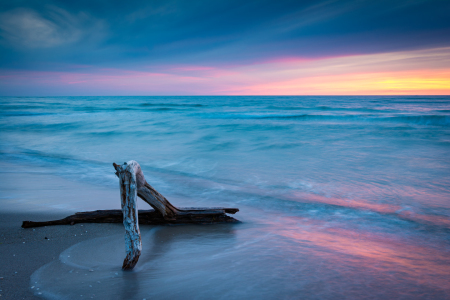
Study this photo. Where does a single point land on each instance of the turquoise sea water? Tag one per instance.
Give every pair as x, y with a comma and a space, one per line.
340, 197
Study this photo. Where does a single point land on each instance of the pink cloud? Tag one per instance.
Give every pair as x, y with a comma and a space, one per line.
410, 72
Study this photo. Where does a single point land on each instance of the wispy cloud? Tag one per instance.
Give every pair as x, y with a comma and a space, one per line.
24, 27
405, 72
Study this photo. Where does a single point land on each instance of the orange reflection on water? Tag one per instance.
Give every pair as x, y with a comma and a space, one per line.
385, 208
345, 202
429, 219
374, 252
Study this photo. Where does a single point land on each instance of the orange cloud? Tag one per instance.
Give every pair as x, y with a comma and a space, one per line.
419, 72
383, 83
412, 72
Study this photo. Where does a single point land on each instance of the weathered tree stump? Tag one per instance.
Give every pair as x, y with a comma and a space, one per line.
131, 179
132, 184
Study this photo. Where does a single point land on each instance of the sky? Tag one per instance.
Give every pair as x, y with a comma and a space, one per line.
196, 47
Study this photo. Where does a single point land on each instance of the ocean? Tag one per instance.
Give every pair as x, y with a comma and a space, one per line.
340, 197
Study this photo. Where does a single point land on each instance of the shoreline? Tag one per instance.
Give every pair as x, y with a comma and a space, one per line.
44, 196
26, 250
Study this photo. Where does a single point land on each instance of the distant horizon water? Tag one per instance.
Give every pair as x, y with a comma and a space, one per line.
223, 95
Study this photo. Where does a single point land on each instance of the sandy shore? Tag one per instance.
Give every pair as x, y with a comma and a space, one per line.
43, 197
35, 194
23, 251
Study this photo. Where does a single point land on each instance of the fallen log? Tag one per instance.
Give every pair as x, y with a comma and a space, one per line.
132, 185
189, 215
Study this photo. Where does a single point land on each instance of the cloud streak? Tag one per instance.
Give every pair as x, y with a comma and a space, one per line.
25, 28
406, 72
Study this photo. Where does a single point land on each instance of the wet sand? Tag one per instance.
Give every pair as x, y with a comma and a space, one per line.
23, 251
32, 193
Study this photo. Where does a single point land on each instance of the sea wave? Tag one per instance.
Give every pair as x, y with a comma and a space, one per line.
331, 108
24, 113
436, 120
281, 198
172, 105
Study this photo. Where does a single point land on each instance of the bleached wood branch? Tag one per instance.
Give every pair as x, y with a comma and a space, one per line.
132, 184
130, 177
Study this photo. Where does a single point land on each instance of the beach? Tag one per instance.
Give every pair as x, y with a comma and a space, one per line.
23, 251
339, 197
26, 250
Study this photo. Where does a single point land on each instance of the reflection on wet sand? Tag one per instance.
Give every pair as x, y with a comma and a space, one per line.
292, 259
369, 251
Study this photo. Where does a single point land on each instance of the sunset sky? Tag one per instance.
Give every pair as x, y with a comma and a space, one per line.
224, 47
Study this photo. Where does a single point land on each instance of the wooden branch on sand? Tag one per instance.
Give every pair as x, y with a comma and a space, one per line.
133, 185
190, 215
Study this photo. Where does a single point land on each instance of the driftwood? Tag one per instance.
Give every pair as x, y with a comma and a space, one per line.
191, 215
132, 185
